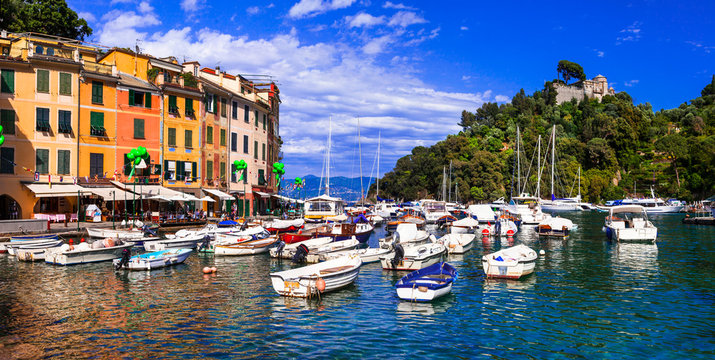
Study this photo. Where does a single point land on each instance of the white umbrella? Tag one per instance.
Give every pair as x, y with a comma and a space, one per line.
159, 198
207, 198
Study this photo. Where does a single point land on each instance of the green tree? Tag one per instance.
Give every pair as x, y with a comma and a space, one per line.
676, 147
569, 70
709, 88
52, 17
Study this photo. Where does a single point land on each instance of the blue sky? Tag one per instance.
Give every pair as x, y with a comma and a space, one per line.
408, 69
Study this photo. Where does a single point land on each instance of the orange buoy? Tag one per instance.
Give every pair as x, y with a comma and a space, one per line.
320, 284
510, 232
207, 270
82, 240
213, 269
485, 232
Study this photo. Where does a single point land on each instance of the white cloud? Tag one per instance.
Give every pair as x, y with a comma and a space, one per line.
700, 46
308, 8
630, 83
421, 37
630, 33
120, 2
120, 27
465, 77
145, 7
463, 28
405, 19
501, 98
364, 20
191, 5
87, 16
253, 10
377, 45
600, 53
391, 5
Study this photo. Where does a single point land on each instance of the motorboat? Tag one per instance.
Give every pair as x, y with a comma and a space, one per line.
153, 260
235, 237
321, 207
18, 240
408, 235
434, 210
100, 250
528, 209
121, 234
457, 243
368, 255
320, 253
428, 283
287, 251
464, 226
249, 247
281, 226
312, 280
483, 213
182, 239
629, 223
413, 258
344, 231
510, 263
555, 226
386, 210
409, 218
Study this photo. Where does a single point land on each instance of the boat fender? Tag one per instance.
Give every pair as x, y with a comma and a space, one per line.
126, 255
320, 284
214, 269
207, 270
399, 255
71, 245
300, 254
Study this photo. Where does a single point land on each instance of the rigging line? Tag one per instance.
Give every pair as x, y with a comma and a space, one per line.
369, 181
528, 172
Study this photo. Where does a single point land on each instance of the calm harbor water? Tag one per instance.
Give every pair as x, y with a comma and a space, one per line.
588, 298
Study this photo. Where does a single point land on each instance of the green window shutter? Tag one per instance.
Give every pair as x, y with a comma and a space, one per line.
7, 120
255, 150
65, 83
167, 175
189, 104
188, 139
264, 121
43, 81
180, 170
215, 104
63, 162
8, 81
255, 113
97, 92
172, 100
209, 135
138, 128
96, 119
223, 107
193, 170
127, 165
42, 161
147, 100
172, 136
245, 113
222, 170
223, 137
7, 155
263, 152
209, 169
131, 97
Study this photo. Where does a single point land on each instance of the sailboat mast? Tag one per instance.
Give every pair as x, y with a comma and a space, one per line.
378, 166
327, 167
579, 183
538, 170
553, 158
450, 181
518, 163
444, 183
362, 194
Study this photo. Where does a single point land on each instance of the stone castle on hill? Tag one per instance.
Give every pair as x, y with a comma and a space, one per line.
594, 88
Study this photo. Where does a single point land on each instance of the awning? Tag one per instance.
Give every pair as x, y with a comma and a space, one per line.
261, 194
106, 193
286, 199
148, 190
218, 193
58, 190
207, 199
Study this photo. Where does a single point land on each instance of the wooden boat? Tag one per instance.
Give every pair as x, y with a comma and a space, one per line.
511, 263
308, 280
180, 240
413, 258
155, 260
457, 243
629, 223
34, 252
339, 232
556, 227
335, 246
12, 246
287, 251
279, 226
249, 247
367, 255
428, 283
309, 231
100, 250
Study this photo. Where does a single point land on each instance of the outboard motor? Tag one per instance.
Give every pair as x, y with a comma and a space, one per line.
300, 254
399, 255
205, 243
126, 255
279, 248
497, 227
148, 231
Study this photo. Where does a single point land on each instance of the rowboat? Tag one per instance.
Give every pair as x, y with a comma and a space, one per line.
428, 283
367, 255
335, 246
457, 243
511, 263
34, 252
12, 246
100, 250
115, 233
287, 251
178, 241
318, 278
278, 225
413, 258
16, 238
555, 226
249, 247
154, 260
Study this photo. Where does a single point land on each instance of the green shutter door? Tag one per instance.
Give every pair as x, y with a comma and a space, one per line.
167, 175
193, 171
8, 81
65, 84
131, 97
138, 128
7, 120
147, 100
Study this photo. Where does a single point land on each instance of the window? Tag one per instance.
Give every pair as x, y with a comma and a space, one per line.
7, 120
138, 128
43, 81
147, 100
63, 162
261, 177
188, 139
39, 49
173, 108
209, 135
65, 83
263, 152
139, 98
264, 121
7, 156
255, 150
223, 107
42, 161
233, 173
234, 110
64, 122
172, 137
270, 153
245, 144
245, 113
42, 117
209, 169
167, 77
223, 137
96, 165
97, 92
255, 114
234, 142
222, 170
96, 124
7, 79
189, 171
210, 103
170, 173
189, 107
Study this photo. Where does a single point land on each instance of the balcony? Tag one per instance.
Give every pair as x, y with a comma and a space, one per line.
190, 113
174, 110
97, 131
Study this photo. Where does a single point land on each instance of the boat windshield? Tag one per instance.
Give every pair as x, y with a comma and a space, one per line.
525, 201
434, 206
320, 206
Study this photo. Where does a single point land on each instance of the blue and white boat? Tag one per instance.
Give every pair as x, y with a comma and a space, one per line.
154, 260
427, 284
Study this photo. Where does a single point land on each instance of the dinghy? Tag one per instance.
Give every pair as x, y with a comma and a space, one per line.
181, 240
34, 252
287, 251
556, 227
511, 263
311, 280
457, 243
427, 284
249, 247
367, 255
153, 260
11, 247
335, 246
100, 250
413, 258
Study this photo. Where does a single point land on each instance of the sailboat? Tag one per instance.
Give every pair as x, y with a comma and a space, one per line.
321, 207
527, 207
384, 208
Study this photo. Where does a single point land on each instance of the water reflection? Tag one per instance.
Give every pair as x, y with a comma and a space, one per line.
525, 283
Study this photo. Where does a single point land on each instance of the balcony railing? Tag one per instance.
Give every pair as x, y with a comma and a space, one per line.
173, 110
97, 131
190, 113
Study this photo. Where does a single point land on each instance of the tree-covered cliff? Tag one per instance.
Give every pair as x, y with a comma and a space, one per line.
617, 144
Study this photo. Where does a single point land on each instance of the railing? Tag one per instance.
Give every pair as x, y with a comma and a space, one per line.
98, 68
174, 110
97, 131
190, 113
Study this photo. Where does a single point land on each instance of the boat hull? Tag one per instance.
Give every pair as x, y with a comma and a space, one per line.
247, 248
85, 256
457, 243
182, 243
149, 262
427, 284
302, 282
431, 256
512, 263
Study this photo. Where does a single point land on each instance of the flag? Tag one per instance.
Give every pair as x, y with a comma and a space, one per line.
49, 180
86, 179
37, 176
61, 178
74, 180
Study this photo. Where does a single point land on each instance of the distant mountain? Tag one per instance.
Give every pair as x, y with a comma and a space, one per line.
345, 188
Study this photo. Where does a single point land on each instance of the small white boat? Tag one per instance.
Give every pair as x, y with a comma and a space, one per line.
427, 284
368, 255
511, 263
318, 278
555, 226
115, 233
13, 246
629, 223
408, 235
457, 243
318, 254
414, 258
375, 219
288, 251
154, 260
235, 237
464, 226
100, 250
34, 252
249, 247
181, 240
279, 225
